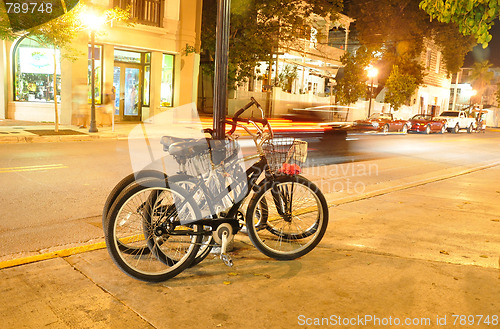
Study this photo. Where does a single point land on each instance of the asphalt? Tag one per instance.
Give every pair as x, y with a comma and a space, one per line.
384, 262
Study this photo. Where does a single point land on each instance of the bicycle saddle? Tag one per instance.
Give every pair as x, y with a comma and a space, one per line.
189, 148
166, 141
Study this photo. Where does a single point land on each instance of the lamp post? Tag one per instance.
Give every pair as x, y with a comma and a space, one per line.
372, 72
93, 23
221, 62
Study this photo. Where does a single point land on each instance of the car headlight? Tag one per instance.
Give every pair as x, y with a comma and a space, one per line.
375, 124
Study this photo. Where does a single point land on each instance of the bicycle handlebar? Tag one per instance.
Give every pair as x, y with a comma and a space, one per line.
263, 121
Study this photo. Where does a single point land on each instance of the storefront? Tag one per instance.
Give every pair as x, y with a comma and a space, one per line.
143, 65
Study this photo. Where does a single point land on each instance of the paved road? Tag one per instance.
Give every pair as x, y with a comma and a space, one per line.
52, 194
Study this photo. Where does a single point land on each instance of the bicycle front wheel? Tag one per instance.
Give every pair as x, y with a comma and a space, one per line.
294, 220
147, 217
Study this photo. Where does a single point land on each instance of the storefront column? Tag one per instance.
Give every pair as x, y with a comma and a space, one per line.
155, 84
108, 52
188, 64
74, 91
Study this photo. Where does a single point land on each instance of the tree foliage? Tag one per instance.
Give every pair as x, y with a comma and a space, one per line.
481, 77
258, 27
352, 85
399, 28
473, 17
400, 87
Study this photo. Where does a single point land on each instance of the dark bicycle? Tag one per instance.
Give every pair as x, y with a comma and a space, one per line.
157, 226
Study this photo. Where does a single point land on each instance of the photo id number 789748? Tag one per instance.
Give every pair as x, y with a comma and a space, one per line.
28, 7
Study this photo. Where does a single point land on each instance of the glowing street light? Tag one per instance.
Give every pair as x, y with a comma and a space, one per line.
372, 72
93, 23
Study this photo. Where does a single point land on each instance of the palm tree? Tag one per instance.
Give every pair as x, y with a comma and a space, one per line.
481, 77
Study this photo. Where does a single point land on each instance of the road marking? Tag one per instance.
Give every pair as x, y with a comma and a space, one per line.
33, 168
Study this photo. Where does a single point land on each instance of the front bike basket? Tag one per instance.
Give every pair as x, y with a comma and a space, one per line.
285, 155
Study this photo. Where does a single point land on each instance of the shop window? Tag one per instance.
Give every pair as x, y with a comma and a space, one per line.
167, 80
34, 72
98, 74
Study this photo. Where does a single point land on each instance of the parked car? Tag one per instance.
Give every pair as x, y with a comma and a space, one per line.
427, 124
383, 122
456, 120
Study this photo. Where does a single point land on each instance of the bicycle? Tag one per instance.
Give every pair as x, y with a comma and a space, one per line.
156, 225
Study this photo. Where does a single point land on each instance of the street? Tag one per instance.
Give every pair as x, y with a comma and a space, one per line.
53, 194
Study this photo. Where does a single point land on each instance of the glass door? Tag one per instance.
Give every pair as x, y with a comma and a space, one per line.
127, 80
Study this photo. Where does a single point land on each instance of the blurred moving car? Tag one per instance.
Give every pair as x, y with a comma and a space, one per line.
427, 124
319, 114
384, 122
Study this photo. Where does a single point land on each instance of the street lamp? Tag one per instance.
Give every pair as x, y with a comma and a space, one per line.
372, 72
93, 23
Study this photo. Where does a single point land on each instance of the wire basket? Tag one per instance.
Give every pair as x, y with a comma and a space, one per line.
285, 155
223, 151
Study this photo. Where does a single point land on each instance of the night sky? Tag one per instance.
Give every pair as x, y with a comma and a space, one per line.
492, 53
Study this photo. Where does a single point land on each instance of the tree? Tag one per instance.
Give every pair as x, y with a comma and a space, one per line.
352, 85
259, 28
400, 87
481, 77
59, 33
399, 28
473, 17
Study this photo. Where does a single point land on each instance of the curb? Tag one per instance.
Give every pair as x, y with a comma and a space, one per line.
53, 254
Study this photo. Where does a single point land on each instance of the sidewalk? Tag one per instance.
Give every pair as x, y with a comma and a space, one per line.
14, 131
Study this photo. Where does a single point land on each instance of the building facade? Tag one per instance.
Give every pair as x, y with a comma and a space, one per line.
300, 75
433, 97
151, 65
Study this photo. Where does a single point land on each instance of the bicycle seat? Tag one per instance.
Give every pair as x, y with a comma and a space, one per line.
166, 141
189, 148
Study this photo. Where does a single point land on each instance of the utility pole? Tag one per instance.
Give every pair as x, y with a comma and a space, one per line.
221, 63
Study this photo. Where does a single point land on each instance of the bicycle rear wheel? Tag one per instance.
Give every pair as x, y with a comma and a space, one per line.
294, 219
146, 217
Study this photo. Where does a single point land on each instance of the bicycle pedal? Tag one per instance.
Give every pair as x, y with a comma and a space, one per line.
226, 259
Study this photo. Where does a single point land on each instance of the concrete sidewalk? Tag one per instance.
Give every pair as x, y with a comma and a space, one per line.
407, 255
15, 131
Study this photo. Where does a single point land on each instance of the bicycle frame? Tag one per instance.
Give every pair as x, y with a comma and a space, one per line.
252, 174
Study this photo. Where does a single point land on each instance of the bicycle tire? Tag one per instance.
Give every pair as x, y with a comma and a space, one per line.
137, 217
293, 227
206, 245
